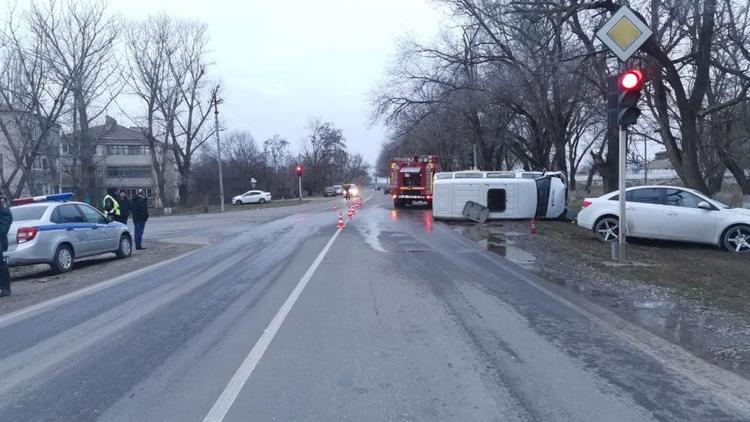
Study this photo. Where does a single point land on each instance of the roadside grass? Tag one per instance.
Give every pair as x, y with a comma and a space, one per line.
702, 272
212, 209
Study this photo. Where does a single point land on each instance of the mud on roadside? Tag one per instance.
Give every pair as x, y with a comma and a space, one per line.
33, 284
695, 296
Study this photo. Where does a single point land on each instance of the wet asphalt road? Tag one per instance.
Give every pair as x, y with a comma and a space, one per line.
403, 320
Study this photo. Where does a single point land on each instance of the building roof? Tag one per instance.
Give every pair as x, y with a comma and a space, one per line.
660, 164
112, 133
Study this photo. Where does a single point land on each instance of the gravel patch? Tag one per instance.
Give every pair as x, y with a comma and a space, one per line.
33, 284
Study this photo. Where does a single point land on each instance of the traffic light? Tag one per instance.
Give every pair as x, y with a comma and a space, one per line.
630, 83
298, 170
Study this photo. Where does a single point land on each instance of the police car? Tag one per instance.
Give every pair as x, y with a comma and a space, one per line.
53, 230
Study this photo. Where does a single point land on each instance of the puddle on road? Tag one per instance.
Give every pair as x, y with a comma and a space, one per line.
722, 338
500, 243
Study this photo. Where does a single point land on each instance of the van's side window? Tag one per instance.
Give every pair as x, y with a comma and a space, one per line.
496, 200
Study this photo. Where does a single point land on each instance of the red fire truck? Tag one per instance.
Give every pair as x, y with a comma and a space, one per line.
411, 179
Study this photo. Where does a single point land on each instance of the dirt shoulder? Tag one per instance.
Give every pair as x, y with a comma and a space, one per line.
695, 296
36, 283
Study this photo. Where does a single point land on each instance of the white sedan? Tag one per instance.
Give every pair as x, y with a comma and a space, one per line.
671, 213
252, 197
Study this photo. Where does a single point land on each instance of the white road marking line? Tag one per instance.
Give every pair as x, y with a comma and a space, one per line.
35, 309
225, 401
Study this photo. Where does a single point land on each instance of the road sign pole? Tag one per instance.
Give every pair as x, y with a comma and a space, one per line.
622, 234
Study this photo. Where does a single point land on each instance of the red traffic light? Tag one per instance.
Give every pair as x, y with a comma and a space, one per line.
298, 170
631, 80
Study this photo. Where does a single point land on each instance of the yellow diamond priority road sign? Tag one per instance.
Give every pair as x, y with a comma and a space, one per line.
624, 33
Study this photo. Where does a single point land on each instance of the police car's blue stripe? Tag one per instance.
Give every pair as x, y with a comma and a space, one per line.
65, 226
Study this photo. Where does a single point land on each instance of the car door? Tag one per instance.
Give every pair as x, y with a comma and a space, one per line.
645, 215
105, 234
80, 232
683, 220
252, 197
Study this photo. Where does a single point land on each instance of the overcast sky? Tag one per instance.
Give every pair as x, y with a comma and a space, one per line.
284, 62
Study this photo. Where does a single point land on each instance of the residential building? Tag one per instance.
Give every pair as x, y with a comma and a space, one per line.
660, 162
24, 129
123, 161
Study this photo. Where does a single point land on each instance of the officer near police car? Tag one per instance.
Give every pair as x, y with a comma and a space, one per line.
6, 219
110, 205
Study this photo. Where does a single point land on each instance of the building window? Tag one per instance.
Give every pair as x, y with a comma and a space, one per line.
129, 172
127, 150
40, 163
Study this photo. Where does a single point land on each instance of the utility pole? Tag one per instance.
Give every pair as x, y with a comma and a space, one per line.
474, 151
216, 102
645, 160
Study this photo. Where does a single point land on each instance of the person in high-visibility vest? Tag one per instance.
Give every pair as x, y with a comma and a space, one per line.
110, 205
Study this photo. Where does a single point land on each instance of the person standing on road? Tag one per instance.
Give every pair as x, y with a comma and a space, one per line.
124, 202
110, 205
140, 216
6, 219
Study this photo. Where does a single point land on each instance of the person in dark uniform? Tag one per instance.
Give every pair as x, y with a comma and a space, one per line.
124, 202
6, 219
140, 216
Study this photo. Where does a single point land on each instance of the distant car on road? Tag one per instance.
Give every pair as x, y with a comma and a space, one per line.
329, 191
338, 190
670, 213
57, 232
252, 197
353, 191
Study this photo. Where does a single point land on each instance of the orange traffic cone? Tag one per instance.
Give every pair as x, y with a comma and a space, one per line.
341, 224
350, 214
532, 226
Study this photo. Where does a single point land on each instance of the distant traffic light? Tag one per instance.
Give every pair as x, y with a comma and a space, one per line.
298, 170
630, 84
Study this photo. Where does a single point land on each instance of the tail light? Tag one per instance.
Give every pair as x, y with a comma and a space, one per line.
393, 196
26, 234
586, 203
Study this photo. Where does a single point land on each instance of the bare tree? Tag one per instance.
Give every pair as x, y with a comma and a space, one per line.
186, 103
31, 103
80, 44
149, 79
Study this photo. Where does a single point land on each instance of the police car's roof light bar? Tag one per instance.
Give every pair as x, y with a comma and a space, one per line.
58, 197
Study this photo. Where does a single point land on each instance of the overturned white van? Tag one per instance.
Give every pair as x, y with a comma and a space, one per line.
508, 195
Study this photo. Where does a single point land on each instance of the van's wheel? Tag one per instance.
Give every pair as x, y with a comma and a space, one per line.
63, 261
261, 201
737, 239
126, 247
238, 202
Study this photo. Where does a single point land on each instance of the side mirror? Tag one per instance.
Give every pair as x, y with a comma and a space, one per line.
705, 206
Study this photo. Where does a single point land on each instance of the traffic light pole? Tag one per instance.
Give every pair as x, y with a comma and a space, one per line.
622, 233
299, 180
622, 245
